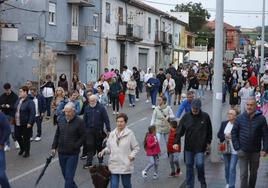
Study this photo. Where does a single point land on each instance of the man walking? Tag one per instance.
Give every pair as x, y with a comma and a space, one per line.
67, 141
95, 116
4, 135
185, 105
194, 125
249, 132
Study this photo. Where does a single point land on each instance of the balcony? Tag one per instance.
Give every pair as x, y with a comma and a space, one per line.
130, 33
165, 38
82, 3
79, 36
157, 39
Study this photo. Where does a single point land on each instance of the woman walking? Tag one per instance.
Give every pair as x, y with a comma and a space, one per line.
169, 88
115, 89
230, 156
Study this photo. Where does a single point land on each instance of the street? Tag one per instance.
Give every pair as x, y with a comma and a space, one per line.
23, 173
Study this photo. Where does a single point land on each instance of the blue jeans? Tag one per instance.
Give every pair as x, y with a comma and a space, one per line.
125, 178
192, 158
68, 164
169, 97
3, 177
230, 162
48, 105
131, 99
153, 96
201, 91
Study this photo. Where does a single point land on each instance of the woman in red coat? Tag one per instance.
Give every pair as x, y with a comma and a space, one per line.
253, 80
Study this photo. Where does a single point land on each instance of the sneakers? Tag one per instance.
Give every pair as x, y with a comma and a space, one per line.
26, 155
144, 174
20, 152
178, 172
133, 105
147, 101
83, 157
117, 113
227, 186
153, 106
17, 146
87, 166
130, 105
155, 176
37, 139
31, 139
7, 148
137, 99
114, 112
172, 174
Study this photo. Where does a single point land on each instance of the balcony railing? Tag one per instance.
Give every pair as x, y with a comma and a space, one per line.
79, 36
83, 3
130, 32
165, 38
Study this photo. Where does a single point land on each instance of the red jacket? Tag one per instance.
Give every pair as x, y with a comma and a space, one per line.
171, 139
253, 81
152, 145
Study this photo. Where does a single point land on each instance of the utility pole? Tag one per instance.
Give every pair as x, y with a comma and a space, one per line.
217, 84
262, 38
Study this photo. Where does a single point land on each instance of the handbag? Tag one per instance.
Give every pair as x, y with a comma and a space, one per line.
100, 175
225, 147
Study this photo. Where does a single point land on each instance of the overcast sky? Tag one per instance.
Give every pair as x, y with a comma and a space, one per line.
247, 19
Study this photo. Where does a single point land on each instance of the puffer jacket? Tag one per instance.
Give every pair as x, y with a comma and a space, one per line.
120, 150
159, 118
248, 134
152, 145
171, 139
27, 111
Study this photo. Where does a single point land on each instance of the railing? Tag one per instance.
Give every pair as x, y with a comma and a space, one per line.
79, 34
130, 31
165, 37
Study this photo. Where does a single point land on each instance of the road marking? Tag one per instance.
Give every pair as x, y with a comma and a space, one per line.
134, 123
31, 171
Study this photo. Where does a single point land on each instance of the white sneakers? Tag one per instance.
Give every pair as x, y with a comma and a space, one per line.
37, 139
17, 146
153, 106
114, 112
155, 176
144, 174
147, 101
7, 148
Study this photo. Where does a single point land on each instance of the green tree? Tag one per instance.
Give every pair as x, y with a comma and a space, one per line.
197, 14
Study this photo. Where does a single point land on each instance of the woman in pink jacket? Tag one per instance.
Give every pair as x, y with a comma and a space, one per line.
152, 148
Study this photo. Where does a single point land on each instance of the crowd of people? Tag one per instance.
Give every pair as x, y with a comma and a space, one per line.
79, 111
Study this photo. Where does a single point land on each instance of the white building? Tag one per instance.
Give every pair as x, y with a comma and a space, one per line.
136, 34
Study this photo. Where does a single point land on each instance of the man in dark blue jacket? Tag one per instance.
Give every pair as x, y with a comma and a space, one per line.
95, 117
249, 131
24, 118
4, 135
40, 109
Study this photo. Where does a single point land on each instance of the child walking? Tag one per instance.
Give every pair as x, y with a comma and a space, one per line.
152, 148
172, 153
258, 97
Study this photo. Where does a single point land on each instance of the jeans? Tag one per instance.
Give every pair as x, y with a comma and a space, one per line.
131, 99
68, 164
140, 86
162, 140
38, 121
115, 103
153, 162
230, 162
248, 162
153, 94
192, 158
48, 105
169, 97
12, 131
23, 135
137, 92
3, 177
174, 161
125, 178
201, 91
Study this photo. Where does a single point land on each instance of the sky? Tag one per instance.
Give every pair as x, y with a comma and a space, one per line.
249, 10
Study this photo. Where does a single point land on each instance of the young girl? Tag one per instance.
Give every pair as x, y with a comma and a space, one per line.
172, 153
152, 149
258, 96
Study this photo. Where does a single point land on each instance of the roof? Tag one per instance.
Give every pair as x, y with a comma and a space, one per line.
211, 25
146, 7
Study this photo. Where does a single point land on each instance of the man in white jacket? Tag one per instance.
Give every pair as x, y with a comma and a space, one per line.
126, 77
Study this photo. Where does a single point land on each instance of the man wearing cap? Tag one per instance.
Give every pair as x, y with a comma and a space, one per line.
196, 126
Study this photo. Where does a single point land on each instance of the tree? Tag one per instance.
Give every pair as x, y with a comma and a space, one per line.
197, 14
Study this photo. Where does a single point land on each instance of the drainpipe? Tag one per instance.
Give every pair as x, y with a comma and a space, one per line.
126, 52
100, 38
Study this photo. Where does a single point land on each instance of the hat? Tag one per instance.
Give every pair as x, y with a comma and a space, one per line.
196, 103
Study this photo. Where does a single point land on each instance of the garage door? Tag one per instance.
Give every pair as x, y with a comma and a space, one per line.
143, 61
64, 65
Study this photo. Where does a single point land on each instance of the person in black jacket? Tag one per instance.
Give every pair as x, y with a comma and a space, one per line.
40, 109
179, 81
194, 125
24, 118
95, 116
136, 75
68, 139
250, 131
161, 77
7, 102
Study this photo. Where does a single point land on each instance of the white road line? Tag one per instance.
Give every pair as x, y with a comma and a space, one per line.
134, 123
31, 171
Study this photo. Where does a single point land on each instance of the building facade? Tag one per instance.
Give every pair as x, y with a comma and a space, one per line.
53, 37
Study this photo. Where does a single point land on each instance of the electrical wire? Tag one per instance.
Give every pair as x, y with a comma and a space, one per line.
24, 9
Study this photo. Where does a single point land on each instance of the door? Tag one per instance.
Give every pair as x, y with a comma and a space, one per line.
143, 61
120, 16
75, 22
64, 65
92, 70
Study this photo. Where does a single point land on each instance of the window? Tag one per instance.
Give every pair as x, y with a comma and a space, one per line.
120, 16
96, 22
52, 14
108, 12
149, 26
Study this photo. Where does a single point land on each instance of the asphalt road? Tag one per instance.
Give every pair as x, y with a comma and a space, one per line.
23, 173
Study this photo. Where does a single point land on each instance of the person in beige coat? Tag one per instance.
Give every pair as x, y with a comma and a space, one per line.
169, 88
160, 118
122, 147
